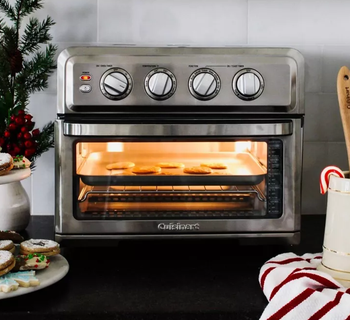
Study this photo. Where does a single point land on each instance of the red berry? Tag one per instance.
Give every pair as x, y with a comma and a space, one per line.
24, 129
2, 141
28, 117
21, 112
29, 152
20, 135
12, 126
13, 117
19, 121
16, 150
35, 132
7, 134
27, 136
28, 144
30, 125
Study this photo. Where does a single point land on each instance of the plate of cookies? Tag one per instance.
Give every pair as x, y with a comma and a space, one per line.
28, 266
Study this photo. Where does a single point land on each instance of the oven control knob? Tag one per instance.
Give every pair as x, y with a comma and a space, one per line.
116, 84
204, 84
160, 84
248, 84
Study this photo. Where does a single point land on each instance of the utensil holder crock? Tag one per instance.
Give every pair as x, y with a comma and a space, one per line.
336, 243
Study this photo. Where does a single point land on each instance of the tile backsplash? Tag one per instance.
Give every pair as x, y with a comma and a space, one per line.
313, 27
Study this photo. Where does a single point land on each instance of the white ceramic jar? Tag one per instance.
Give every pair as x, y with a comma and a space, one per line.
336, 243
14, 201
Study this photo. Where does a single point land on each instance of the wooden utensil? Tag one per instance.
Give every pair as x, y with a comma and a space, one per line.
343, 90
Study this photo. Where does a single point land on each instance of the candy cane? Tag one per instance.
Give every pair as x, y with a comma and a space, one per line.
325, 176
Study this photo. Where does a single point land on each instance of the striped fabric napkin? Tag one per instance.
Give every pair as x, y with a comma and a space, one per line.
296, 290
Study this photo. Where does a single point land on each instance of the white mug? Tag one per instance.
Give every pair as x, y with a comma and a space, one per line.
336, 243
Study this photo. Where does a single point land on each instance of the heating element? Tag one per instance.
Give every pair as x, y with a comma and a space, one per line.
179, 142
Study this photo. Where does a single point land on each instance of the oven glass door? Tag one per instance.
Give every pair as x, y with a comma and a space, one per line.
138, 179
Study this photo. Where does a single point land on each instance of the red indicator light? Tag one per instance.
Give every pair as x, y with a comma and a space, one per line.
85, 78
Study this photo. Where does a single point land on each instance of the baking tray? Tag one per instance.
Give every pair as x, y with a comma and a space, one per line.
242, 169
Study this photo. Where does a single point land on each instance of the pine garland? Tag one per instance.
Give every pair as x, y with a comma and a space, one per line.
24, 67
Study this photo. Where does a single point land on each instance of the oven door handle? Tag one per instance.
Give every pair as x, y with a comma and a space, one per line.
227, 129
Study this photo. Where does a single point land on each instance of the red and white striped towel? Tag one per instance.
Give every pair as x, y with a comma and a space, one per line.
296, 290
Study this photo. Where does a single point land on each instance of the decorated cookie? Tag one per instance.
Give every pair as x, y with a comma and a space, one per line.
35, 261
11, 235
21, 162
6, 163
13, 280
24, 278
7, 262
42, 246
7, 285
7, 245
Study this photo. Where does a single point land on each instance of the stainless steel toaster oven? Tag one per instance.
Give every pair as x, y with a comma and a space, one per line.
179, 142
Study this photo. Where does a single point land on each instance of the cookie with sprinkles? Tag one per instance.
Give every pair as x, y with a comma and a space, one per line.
32, 261
42, 246
20, 162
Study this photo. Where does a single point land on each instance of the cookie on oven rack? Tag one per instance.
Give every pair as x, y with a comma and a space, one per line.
42, 246
170, 165
198, 170
214, 165
120, 165
146, 170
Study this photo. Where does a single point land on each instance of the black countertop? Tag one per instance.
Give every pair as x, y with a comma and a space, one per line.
157, 279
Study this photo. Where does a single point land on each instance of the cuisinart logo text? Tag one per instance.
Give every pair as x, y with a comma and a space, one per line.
178, 226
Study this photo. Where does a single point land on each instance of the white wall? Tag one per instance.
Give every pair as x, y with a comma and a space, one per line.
318, 28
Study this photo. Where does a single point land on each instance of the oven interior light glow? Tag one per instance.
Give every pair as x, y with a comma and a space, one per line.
115, 147
95, 156
243, 146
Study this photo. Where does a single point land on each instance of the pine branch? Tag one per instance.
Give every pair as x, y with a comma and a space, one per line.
35, 34
2, 25
8, 10
45, 141
18, 7
27, 7
8, 39
35, 73
5, 72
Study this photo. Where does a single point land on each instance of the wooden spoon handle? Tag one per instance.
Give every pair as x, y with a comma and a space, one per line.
343, 90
